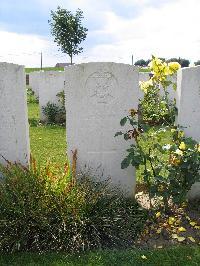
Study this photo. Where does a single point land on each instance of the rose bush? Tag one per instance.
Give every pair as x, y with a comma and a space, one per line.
170, 169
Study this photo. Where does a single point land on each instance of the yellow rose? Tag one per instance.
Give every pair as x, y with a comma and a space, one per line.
155, 63
171, 220
174, 67
179, 152
181, 134
145, 85
167, 71
182, 146
198, 147
133, 112
177, 162
158, 214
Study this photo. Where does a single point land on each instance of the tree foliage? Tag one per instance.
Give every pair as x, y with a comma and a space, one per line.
145, 63
183, 62
68, 30
141, 63
197, 63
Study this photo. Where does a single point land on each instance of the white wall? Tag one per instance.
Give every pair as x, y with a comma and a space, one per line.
98, 96
14, 134
50, 84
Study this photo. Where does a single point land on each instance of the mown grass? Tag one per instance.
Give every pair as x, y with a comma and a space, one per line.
141, 69
48, 142
180, 256
32, 69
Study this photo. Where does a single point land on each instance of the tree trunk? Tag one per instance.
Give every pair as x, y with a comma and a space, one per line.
71, 58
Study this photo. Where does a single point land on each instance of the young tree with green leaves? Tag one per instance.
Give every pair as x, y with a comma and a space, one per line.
68, 30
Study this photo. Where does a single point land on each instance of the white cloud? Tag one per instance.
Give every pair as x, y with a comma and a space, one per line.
26, 49
168, 30
19, 48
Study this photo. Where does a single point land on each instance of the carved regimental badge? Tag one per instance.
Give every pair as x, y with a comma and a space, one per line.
101, 87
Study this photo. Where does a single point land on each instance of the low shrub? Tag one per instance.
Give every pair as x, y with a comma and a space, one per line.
51, 209
31, 98
155, 110
56, 113
51, 111
170, 169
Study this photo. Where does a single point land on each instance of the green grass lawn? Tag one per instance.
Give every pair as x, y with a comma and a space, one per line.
179, 256
47, 142
141, 69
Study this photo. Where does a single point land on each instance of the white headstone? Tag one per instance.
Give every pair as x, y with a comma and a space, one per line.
98, 96
34, 82
50, 84
14, 134
188, 103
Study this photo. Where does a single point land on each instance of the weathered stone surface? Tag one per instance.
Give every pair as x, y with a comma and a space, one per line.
14, 134
188, 103
98, 96
50, 84
34, 78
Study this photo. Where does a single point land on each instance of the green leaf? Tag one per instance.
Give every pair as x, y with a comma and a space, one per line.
132, 122
126, 136
174, 86
125, 163
123, 121
118, 134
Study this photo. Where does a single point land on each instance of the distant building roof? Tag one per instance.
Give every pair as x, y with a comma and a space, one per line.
63, 64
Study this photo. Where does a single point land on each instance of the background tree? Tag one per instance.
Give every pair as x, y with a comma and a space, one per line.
144, 63
183, 62
197, 63
141, 63
68, 30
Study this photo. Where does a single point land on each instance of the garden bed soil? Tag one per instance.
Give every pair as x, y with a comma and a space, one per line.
181, 226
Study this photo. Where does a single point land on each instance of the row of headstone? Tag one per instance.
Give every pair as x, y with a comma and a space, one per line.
49, 85
34, 78
98, 95
46, 85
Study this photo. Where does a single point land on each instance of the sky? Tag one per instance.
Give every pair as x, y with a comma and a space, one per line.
117, 29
